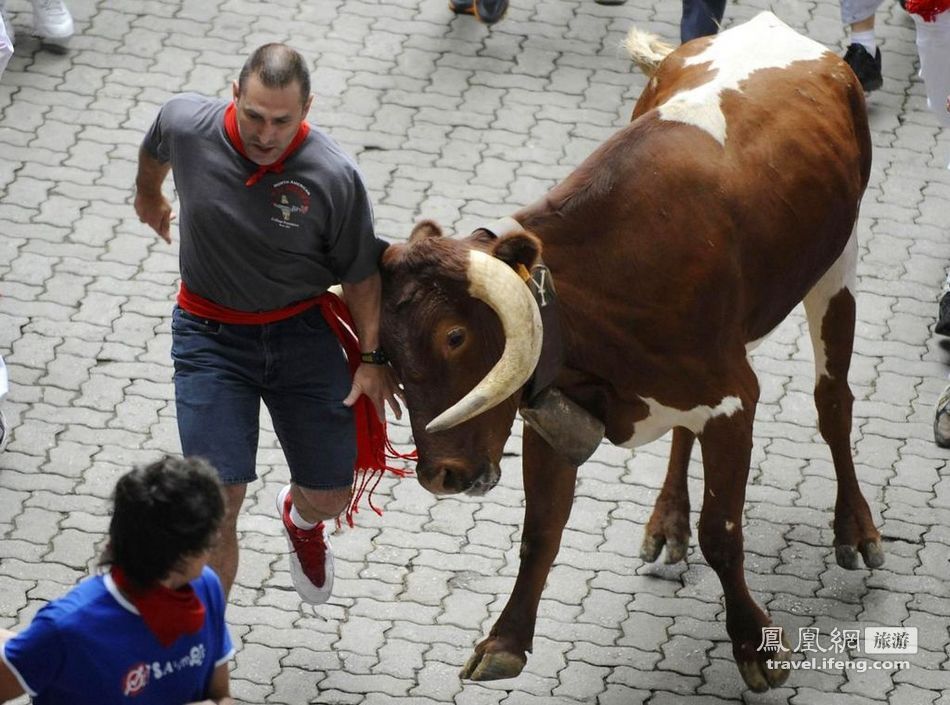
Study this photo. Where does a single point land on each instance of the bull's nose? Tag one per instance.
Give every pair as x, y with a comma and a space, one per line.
443, 477
451, 477
486, 480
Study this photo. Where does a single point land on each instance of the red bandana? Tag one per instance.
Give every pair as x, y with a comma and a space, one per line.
927, 9
234, 135
168, 614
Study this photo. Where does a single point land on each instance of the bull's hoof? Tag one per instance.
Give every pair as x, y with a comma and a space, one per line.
653, 543
871, 551
651, 547
847, 557
492, 666
759, 675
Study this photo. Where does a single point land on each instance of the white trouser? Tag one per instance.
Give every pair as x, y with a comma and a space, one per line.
856, 10
6, 46
933, 46
4, 383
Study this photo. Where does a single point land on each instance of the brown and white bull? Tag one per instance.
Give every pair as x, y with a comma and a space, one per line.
674, 248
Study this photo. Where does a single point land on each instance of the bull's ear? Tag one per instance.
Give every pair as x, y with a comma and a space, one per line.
519, 248
391, 255
425, 229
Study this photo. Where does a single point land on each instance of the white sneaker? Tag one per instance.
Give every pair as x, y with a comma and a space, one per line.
52, 21
311, 560
7, 24
942, 419
4, 431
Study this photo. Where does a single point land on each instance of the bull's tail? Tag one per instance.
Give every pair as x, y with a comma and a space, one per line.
647, 50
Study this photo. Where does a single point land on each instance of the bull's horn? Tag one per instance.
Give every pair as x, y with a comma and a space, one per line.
495, 283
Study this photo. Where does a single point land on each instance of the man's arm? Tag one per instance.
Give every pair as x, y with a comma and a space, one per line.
375, 381
151, 206
219, 691
10, 687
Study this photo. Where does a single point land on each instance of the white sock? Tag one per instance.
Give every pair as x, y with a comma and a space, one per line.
299, 521
865, 39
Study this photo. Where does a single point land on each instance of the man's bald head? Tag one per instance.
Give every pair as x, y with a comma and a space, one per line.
276, 66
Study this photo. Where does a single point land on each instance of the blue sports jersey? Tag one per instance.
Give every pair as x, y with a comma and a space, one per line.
91, 647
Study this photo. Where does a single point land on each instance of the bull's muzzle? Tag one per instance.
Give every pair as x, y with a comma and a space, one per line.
443, 477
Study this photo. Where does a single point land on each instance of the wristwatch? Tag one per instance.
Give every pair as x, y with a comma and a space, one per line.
376, 357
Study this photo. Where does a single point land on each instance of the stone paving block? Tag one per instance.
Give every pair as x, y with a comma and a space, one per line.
534, 95
26, 551
74, 548
905, 694
663, 698
401, 658
684, 654
654, 680
464, 608
446, 634
809, 696
43, 573
352, 683
581, 681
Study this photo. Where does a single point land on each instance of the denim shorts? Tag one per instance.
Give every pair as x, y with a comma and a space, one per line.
296, 366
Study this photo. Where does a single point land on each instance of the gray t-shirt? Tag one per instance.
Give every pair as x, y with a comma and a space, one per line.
286, 238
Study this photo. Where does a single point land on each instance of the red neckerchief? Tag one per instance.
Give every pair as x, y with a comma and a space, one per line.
927, 9
168, 614
234, 135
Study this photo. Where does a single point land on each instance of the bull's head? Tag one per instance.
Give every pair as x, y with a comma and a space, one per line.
464, 334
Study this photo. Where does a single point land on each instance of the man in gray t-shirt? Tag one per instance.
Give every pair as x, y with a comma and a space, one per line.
272, 213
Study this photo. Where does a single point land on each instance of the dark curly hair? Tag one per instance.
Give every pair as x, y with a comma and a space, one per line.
162, 513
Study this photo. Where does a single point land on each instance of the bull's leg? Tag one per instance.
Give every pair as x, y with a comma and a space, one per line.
727, 449
669, 522
549, 493
830, 309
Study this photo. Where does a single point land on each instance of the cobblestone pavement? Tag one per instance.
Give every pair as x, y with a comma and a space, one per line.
455, 121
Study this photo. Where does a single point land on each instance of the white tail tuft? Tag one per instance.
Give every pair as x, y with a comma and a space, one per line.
647, 50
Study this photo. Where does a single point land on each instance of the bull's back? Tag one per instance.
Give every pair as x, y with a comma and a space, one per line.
723, 202
773, 129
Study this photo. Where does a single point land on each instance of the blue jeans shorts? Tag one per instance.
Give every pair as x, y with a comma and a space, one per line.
296, 366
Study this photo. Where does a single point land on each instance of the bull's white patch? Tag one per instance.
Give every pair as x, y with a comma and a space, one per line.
662, 418
841, 275
765, 42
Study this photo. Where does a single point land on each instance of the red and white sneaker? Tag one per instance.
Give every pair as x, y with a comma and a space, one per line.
311, 561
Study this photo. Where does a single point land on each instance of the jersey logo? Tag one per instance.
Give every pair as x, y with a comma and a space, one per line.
135, 680
292, 200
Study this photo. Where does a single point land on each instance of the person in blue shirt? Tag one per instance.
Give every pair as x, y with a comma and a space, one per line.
151, 625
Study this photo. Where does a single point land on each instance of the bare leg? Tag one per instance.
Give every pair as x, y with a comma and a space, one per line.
863, 25
224, 557
319, 505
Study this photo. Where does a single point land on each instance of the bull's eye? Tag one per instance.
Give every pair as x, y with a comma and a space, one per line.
455, 337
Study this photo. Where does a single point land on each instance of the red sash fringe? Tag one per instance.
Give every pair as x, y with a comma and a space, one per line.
372, 442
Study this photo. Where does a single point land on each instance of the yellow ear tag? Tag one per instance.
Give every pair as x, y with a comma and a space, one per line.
523, 272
